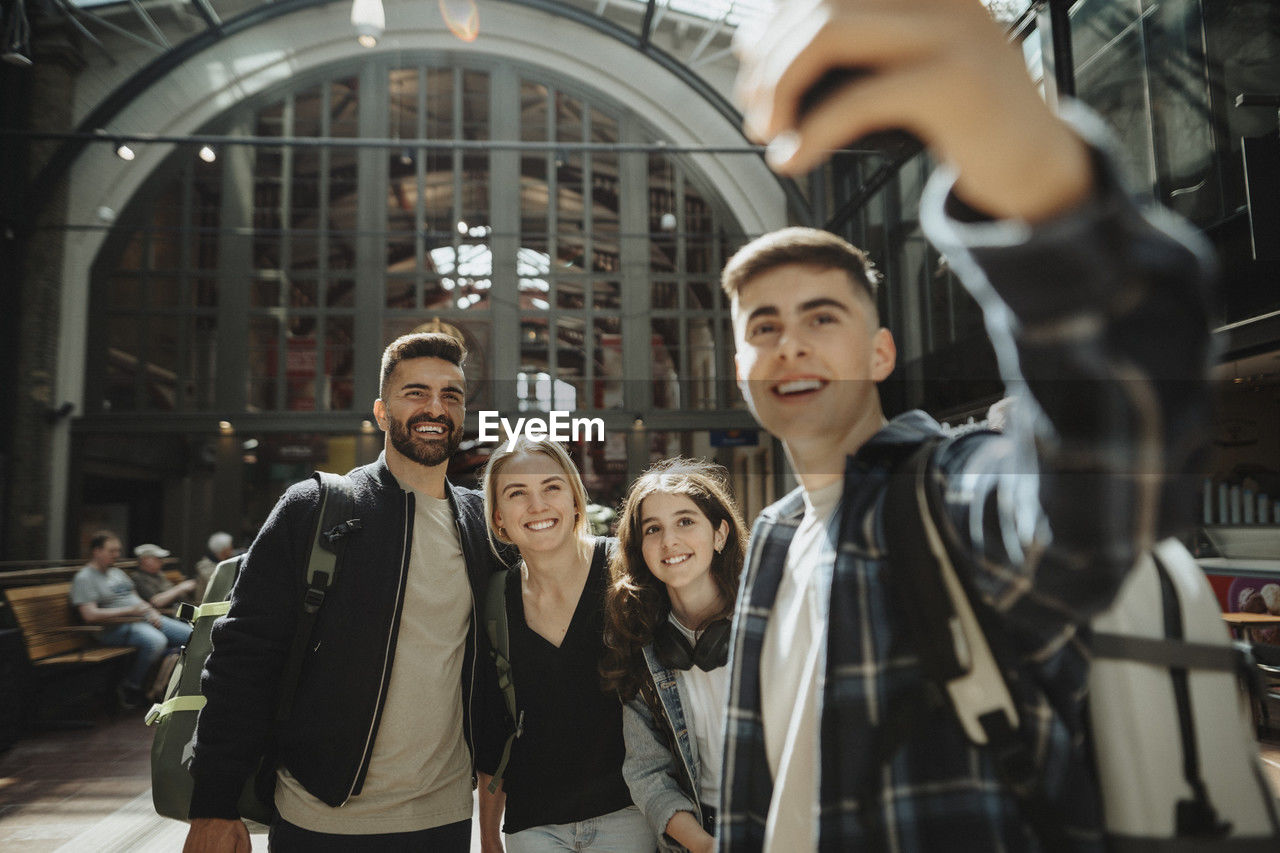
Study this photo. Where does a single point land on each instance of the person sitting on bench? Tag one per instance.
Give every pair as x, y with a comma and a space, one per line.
104, 595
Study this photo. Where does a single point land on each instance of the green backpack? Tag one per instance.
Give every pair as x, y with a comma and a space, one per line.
176, 714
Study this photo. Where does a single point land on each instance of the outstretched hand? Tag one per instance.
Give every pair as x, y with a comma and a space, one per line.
939, 69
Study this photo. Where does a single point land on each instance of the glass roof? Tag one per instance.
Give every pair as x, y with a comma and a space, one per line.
731, 12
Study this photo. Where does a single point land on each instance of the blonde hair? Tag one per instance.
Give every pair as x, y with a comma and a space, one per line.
524, 446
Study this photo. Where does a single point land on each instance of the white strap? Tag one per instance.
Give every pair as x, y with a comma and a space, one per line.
213, 608
177, 703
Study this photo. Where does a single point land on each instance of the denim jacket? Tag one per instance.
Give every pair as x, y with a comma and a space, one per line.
661, 782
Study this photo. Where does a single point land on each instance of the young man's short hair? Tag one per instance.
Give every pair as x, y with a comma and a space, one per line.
420, 345
805, 246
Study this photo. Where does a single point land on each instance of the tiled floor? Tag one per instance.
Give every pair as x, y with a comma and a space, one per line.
90, 790
59, 786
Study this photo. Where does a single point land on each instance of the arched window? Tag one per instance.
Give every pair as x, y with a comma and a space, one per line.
537, 218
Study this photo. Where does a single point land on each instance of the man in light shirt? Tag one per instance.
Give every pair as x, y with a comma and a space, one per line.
104, 595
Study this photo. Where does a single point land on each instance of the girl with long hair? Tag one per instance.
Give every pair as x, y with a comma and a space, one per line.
673, 582
562, 783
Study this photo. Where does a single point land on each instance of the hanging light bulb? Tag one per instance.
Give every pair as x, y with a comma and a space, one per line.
124, 152
369, 20
207, 153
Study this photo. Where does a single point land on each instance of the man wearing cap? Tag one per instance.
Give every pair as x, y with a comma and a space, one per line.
105, 596
152, 585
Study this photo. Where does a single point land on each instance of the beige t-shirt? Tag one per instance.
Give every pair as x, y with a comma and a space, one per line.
790, 665
420, 772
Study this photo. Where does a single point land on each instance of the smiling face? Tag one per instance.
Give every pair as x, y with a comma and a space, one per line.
534, 507
678, 541
809, 354
422, 409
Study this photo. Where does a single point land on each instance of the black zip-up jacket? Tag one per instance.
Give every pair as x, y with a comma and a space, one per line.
327, 742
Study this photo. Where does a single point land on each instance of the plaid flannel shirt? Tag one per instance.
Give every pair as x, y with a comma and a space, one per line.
1099, 323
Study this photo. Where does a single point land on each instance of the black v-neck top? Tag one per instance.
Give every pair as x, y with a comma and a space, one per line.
567, 765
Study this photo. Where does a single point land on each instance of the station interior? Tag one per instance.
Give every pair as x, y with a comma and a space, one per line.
214, 214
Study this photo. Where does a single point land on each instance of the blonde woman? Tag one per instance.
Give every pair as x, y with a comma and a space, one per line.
562, 787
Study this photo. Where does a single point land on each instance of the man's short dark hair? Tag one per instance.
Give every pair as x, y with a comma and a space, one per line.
100, 539
420, 345
805, 246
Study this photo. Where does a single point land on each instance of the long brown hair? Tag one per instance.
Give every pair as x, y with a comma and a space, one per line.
636, 601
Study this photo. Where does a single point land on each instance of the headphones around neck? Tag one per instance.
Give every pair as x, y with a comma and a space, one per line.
675, 652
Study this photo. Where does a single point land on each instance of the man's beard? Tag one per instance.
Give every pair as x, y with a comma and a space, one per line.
402, 439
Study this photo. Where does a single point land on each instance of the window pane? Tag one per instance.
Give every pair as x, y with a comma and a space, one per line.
666, 363
339, 335
400, 293
700, 382
163, 368
533, 111
264, 293
608, 362
202, 346
122, 363
165, 291
604, 128
206, 292
569, 292
307, 108
125, 292
263, 367
607, 295
475, 105
665, 295
132, 257
302, 293
344, 119
701, 295
568, 118
402, 90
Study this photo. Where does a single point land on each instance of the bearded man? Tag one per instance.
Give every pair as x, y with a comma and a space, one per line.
377, 753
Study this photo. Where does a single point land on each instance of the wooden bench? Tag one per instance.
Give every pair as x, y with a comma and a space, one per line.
55, 643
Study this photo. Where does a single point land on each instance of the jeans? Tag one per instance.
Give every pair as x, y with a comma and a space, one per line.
151, 643
623, 831
450, 838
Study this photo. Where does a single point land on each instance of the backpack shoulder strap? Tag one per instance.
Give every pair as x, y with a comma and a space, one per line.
495, 626
930, 593
334, 520
955, 651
